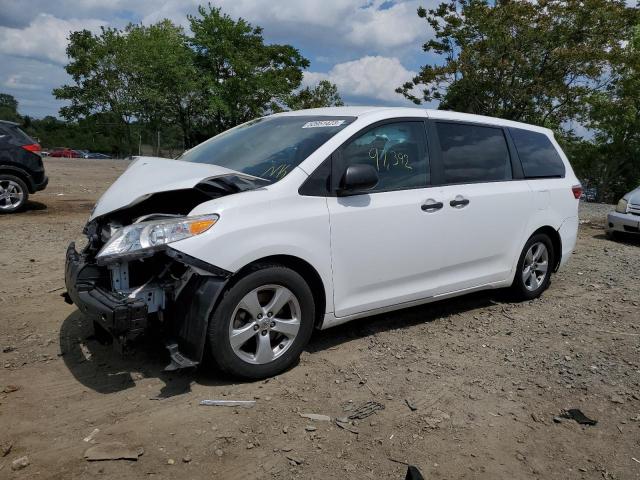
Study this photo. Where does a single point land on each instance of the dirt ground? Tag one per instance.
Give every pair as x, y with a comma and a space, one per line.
484, 377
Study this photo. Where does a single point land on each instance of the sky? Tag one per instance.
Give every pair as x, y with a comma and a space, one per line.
366, 47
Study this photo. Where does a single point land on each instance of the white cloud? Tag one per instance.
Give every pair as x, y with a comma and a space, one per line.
369, 77
45, 38
386, 29
360, 23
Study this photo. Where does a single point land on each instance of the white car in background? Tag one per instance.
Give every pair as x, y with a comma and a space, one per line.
309, 219
626, 217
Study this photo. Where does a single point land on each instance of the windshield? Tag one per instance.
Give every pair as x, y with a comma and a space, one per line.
268, 147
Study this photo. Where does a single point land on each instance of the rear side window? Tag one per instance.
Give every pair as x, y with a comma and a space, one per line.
12, 134
539, 157
473, 153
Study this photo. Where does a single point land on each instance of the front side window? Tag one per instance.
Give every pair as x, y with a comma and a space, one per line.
398, 151
473, 153
269, 147
539, 157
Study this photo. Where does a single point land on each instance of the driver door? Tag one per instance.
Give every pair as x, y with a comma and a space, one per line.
381, 240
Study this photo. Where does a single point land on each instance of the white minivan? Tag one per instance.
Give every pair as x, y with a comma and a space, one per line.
309, 219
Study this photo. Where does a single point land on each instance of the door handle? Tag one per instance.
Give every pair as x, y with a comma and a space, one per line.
459, 202
433, 206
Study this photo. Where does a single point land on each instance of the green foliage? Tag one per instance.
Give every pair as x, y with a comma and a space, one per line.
324, 94
611, 161
242, 75
9, 108
157, 77
552, 63
535, 62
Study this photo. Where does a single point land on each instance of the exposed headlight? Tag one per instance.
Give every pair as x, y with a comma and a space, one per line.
622, 206
154, 234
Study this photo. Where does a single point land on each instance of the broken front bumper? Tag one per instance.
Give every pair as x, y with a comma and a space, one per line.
190, 302
123, 317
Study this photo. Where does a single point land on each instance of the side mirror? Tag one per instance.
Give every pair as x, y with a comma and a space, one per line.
358, 178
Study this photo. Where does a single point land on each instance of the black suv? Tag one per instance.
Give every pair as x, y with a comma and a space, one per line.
21, 168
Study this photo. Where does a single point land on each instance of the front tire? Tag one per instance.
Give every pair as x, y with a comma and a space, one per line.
533, 272
13, 194
262, 322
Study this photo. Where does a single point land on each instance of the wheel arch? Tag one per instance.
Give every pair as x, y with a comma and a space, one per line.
556, 241
304, 269
19, 173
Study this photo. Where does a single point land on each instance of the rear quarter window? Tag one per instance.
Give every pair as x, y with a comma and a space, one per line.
537, 154
12, 134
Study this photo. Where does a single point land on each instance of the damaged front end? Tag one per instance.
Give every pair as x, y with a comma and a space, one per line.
128, 279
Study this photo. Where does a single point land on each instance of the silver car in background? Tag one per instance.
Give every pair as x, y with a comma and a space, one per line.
626, 217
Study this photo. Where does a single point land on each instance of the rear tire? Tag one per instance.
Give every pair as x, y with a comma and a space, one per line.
262, 322
535, 265
13, 194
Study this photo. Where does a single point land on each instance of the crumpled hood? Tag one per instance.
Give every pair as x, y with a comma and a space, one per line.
148, 175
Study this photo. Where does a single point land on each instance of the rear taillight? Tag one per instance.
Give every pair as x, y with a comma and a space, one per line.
33, 147
577, 191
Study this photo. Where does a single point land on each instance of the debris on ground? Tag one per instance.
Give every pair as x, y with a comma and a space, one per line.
365, 410
294, 460
345, 424
20, 463
111, 451
310, 428
5, 448
229, 403
316, 417
410, 404
413, 473
91, 436
10, 388
577, 415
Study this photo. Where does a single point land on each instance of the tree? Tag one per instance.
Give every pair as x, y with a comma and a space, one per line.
324, 94
105, 79
611, 160
149, 78
169, 86
535, 62
9, 108
243, 75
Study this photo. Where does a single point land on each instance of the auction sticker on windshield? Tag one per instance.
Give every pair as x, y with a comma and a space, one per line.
323, 123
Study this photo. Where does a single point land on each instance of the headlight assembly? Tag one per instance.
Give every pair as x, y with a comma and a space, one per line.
622, 206
151, 235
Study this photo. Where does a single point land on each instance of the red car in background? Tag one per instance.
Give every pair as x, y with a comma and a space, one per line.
65, 152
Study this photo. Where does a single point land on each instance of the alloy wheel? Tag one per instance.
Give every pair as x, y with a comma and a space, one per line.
264, 324
11, 195
535, 267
